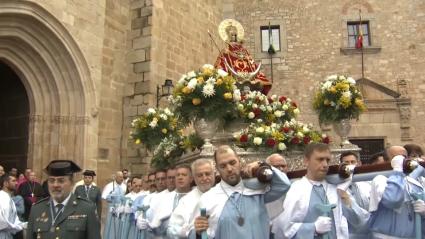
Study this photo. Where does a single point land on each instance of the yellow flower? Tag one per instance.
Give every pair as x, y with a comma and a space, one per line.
332, 90
341, 86
138, 141
164, 130
360, 104
345, 102
196, 101
326, 102
200, 80
278, 136
186, 90
207, 72
219, 81
228, 96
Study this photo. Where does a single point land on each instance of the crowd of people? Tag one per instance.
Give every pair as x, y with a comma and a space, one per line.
218, 199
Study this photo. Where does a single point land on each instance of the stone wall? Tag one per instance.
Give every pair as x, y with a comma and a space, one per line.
169, 38
312, 36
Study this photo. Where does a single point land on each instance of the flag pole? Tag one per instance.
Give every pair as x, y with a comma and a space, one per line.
270, 53
361, 39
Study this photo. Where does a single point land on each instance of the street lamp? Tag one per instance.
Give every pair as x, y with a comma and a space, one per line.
165, 90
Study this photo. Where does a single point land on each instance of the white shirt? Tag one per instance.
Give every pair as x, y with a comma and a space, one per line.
9, 221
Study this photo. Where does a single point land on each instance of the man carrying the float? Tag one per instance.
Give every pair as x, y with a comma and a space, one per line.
164, 205
392, 202
234, 211
314, 208
181, 221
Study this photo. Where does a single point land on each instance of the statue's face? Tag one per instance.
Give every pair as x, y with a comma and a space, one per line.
232, 33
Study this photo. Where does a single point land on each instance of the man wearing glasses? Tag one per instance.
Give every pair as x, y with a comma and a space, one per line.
63, 215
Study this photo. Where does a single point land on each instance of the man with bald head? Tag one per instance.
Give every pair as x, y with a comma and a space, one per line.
234, 211
113, 192
275, 208
391, 207
278, 161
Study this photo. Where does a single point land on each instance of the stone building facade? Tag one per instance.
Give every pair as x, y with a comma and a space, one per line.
87, 68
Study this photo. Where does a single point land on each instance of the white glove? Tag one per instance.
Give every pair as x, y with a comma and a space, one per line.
142, 223
127, 209
24, 225
323, 224
419, 207
397, 163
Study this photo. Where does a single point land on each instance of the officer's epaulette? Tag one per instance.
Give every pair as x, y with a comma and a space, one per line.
42, 200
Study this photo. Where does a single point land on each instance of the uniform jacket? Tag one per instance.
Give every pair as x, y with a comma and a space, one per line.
79, 220
94, 195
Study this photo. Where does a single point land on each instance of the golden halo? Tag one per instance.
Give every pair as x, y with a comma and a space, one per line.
230, 22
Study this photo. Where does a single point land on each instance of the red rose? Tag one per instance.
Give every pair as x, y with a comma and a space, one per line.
243, 97
257, 112
270, 99
270, 142
326, 140
306, 140
285, 129
294, 104
295, 140
243, 138
282, 99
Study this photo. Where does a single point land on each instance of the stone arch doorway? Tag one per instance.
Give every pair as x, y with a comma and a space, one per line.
61, 93
14, 119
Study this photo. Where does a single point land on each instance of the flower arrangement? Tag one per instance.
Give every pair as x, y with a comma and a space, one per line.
208, 93
275, 109
153, 126
338, 98
278, 136
172, 148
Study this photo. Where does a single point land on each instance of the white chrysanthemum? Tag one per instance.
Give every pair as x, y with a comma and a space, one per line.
346, 94
211, 80
259, 130
269, 108
163, 116
168, 112
332, 78
257, 140
182, 80
240, 107
153, 123
222, 73
192, 83
351, 80
281, 146
208, 66
134, 122
268, 129
237, 95
191, 74
273, 125
278, 113
263, 108
236, 135
251, 115
306, 129
296, 111
259, 121
274, 97
151, 111
333, 103
326, 85
254, 106
208, 90
300, 134
285, 107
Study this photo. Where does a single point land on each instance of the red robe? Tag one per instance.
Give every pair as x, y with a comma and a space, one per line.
240, 60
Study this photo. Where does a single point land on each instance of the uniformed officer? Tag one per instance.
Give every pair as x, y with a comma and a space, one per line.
90, 191
63, 215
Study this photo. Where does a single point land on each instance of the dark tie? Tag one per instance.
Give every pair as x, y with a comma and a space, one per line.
59, 208
87, 191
